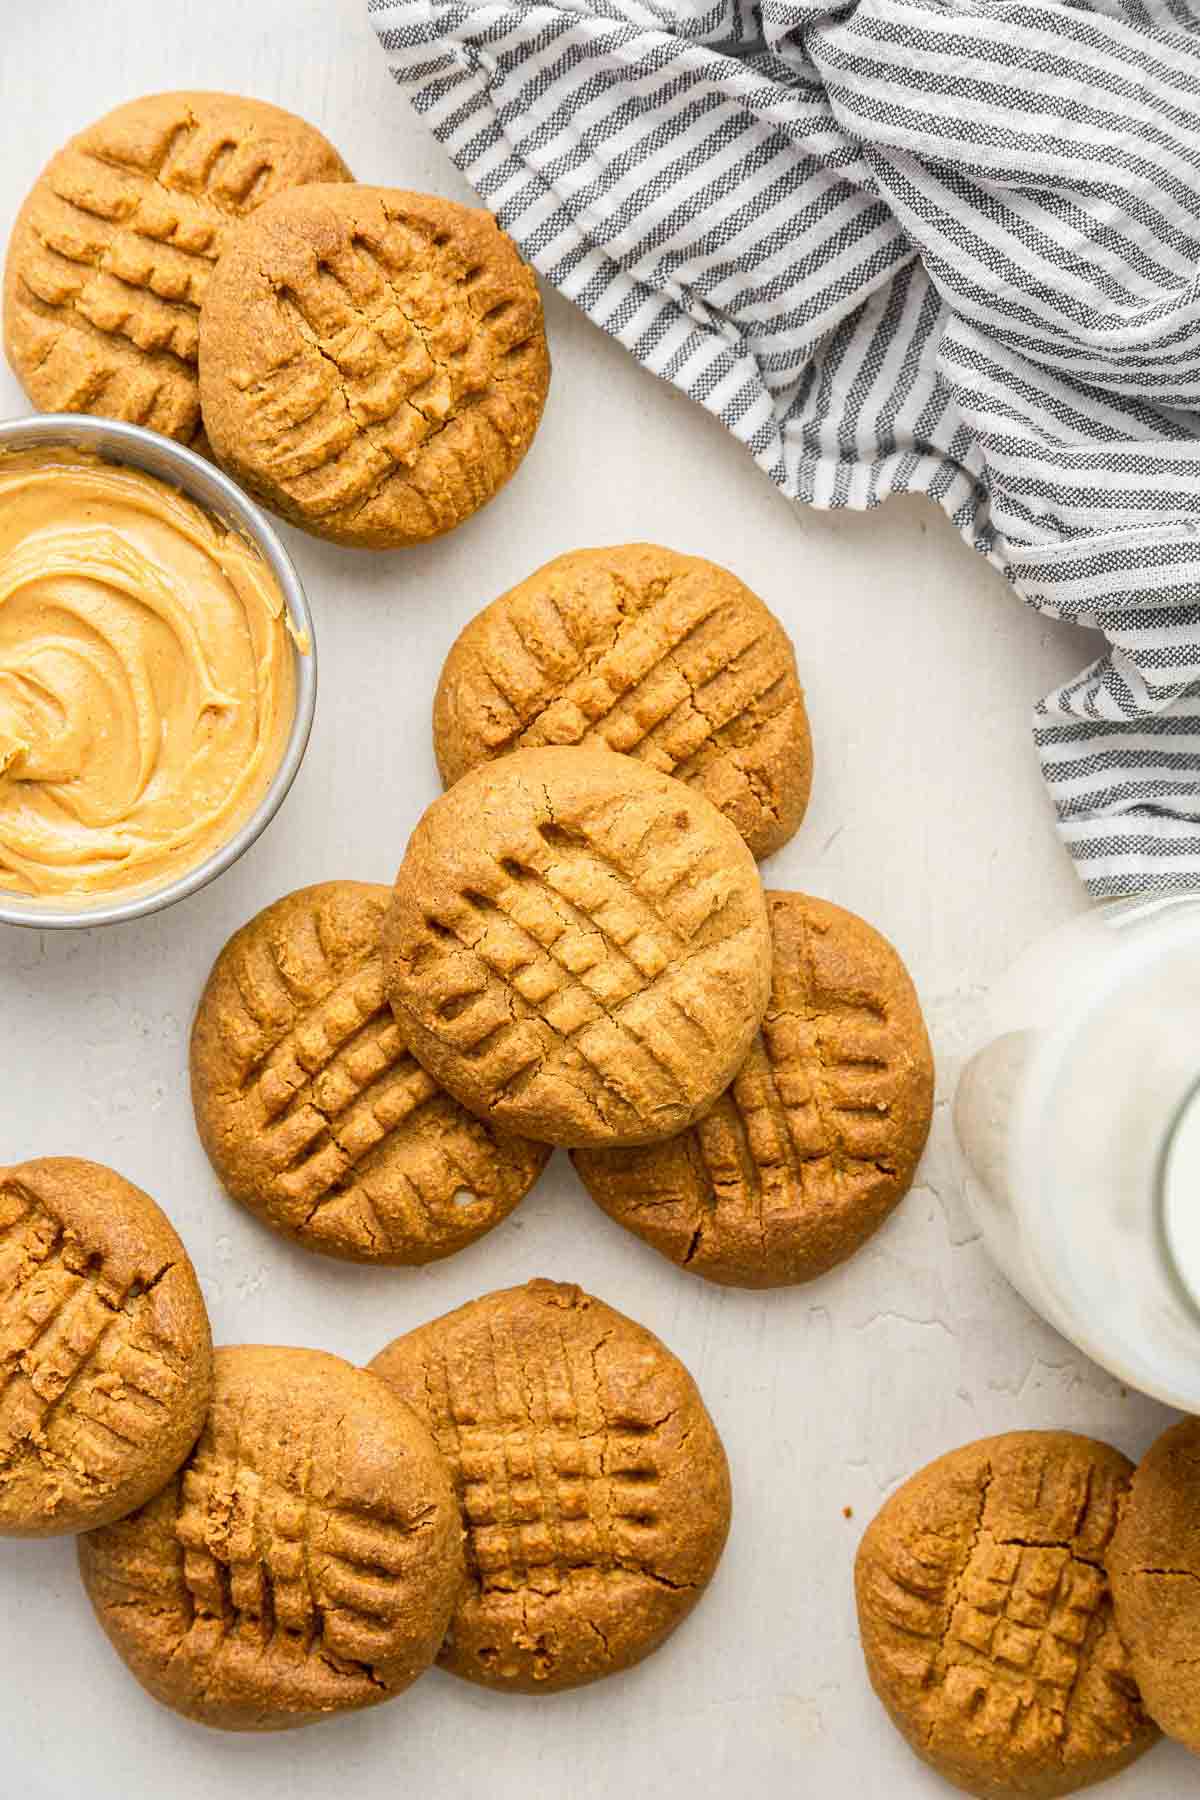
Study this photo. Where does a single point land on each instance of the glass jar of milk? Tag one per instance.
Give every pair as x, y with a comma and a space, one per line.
1079, 1115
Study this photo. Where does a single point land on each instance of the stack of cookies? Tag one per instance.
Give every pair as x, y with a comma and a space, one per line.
579, 951
369, 363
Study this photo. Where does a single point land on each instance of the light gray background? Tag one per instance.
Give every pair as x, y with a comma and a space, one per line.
928, 817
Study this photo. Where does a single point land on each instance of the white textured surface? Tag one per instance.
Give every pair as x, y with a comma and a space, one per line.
928, 817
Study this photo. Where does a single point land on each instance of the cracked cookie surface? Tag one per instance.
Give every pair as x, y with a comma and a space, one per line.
303, 1562
578, 947
593, 1485
114, 249
987, 1622
636, 648
311, 1108
819, 1134
373, 363
105, 1352
1154, 1567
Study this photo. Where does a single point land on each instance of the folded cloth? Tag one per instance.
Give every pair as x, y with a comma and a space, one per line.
949, 247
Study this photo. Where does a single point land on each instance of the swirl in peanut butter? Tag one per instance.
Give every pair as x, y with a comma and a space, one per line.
147, 679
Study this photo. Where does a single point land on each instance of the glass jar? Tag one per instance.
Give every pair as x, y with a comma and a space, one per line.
1079, 1115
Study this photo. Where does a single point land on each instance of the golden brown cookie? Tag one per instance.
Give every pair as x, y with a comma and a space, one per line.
635, 648
820, 1133
372, 363
105, 1352
987, 1622
1154, 1568
113, 250
305, 1561
578, 947
592, 1482
310, 1107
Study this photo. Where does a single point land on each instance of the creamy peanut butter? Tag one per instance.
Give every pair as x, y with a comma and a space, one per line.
147, 679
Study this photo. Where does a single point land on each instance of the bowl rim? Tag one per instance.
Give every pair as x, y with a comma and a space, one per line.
138, 447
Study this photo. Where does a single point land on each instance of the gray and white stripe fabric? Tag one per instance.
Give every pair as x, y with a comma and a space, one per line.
939, 246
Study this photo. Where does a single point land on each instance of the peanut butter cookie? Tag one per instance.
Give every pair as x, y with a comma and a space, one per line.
592, 1482
666, 657
311, 1108
113, 250
819, 1135
1154, 1567
578, 947
372, 363
987, 1622
105, 1352
305, 1560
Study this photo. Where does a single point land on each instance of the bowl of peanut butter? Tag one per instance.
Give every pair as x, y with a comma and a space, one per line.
157, 672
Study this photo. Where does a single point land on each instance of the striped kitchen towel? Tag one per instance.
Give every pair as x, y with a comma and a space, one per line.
940, 246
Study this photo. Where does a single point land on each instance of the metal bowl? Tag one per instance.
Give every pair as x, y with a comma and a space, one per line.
202, 482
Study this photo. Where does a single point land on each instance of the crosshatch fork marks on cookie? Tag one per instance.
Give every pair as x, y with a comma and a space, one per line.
261, 1559
616, 950
819, 1133
550, 1480
396, 337
85, 1376
373, 362
592, 1483
111, 256
314, 1110
303, 1561
813, 1100
661, 656
986, 1615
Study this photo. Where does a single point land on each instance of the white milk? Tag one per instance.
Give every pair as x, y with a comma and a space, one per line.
1080, 1117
